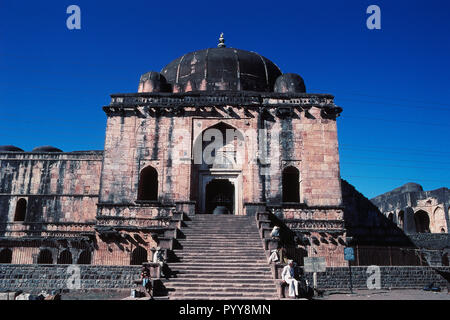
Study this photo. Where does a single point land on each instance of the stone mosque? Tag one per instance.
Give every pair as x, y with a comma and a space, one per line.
220, 137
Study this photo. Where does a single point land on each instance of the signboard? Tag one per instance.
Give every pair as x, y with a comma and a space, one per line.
349, 254
314, 264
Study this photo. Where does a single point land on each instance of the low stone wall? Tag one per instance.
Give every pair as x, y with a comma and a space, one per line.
395, 277
33, 278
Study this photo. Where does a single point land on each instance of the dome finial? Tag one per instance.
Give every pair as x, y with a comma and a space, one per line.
221, 41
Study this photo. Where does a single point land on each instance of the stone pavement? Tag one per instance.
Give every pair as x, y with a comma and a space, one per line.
397, 294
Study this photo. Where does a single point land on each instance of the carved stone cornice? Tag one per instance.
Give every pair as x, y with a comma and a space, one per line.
315, 225
174, 103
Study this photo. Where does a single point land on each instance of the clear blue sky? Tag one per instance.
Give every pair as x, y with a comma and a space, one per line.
393, 83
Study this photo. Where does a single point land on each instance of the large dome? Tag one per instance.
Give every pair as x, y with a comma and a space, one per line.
221, 69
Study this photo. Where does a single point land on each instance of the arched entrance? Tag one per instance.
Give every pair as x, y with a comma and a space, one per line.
5, 256
65, 257
85, 257
45, 257
138, 256
422, 222
401, 219
219, 197
216, 178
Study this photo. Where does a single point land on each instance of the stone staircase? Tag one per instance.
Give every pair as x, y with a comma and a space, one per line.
220, 257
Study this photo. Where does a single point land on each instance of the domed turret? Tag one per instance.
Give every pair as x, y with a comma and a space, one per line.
289, 83
221, 68
152, 82
10, 148
46, 149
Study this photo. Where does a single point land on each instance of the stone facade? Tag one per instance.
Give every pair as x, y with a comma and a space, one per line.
109, 207
415, 210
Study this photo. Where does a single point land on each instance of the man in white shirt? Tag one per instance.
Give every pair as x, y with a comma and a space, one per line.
158, 257
288, 275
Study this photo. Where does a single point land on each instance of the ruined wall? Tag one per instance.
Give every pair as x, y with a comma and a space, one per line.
58, 187
401, 204
366, 224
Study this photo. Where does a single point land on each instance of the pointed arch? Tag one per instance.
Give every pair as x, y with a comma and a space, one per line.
291, 184
21, 210
84, 257
391, 217
65, 257
401, 219
45, 257
222, 142
138, 256
422, 221
148, 184
6, 255
439, 222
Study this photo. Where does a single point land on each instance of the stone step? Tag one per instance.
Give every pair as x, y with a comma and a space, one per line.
218, 260
221, 252
222, 296
224, 281
244, 235
257, 246
193, 259
222, 257
257, 275
217, 266
218, 284
220, 239
228, 271
212, 289
213, 242
213, 254
241, 223
211, 229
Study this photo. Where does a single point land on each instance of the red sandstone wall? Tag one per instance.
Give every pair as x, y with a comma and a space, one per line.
60, 187
165, 143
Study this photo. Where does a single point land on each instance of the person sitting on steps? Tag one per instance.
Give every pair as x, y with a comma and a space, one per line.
288, 276
158, 257
146, 280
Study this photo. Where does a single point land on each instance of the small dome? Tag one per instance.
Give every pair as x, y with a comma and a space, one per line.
222, 68
289, 83
46, 149
10, 149
152, 82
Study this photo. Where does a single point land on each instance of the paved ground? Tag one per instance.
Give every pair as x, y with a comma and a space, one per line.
395, 294
96, 295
